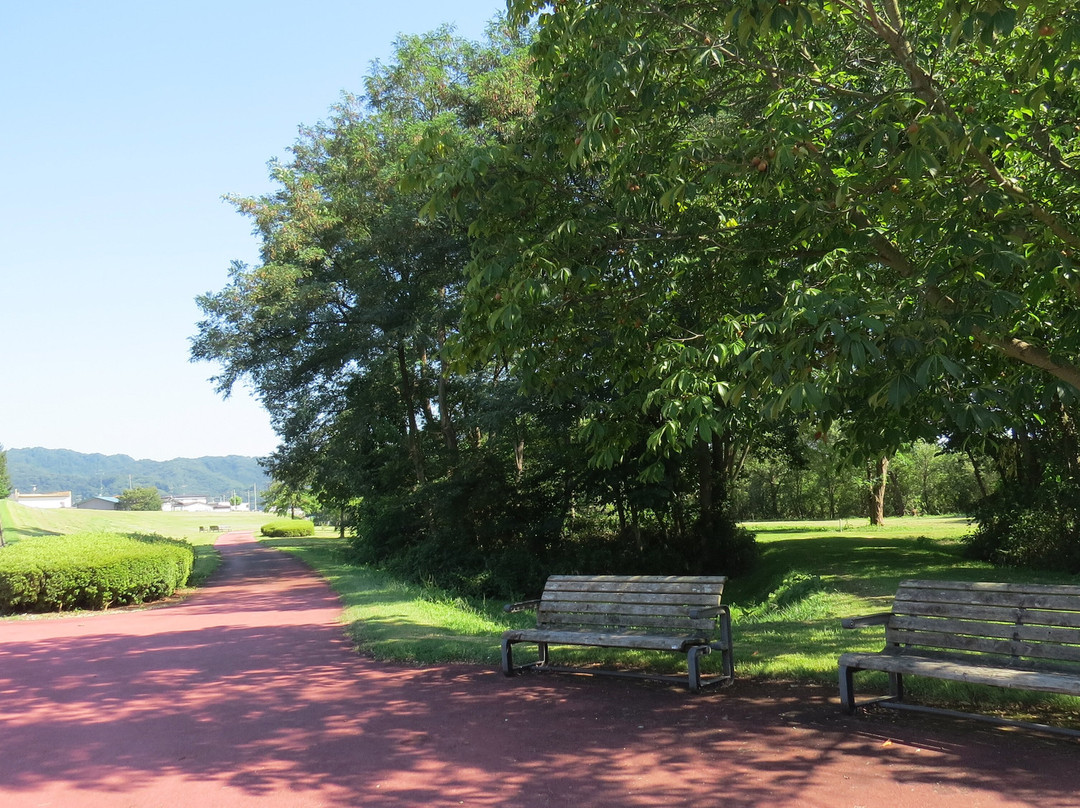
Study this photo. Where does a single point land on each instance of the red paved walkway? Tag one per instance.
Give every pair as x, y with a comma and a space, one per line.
248, 694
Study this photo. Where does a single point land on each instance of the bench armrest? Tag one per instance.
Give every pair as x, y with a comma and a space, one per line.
523, 606
707, 611
879, 619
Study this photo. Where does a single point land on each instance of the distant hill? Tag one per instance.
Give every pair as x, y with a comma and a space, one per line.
87, 475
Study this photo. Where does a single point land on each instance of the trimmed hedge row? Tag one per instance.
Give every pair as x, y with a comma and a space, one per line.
288, 528
90, 571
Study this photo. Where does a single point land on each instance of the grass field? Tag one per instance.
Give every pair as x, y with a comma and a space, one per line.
782, 630
22, 522
786, 613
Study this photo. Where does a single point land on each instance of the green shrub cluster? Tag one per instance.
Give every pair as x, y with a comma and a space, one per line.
1030, 527
288, 528
90, 571
485, 532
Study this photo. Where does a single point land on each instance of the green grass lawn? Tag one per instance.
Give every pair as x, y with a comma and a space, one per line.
846, 569
786, 612
22, 522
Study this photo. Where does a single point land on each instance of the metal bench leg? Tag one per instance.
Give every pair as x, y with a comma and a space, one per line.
726, 655
896, 686
693, 669
507, 659
542, 652
847, 689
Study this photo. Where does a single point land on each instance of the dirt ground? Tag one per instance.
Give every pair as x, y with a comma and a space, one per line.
248, 693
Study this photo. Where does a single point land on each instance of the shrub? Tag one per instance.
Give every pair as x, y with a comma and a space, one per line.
288, 528
1030, 528
90, 571
485, 532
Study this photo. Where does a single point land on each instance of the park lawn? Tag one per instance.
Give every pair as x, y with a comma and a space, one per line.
845, 569
22, 522
786, 612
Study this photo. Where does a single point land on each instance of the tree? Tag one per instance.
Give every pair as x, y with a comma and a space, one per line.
283, 500
345, 320
843, 211
140, 499
5, 479
930, 183
5, 486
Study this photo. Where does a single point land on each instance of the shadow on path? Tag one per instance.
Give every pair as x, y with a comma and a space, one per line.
249, 694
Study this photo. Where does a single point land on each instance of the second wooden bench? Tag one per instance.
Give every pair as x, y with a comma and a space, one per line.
646, 612
1024, 636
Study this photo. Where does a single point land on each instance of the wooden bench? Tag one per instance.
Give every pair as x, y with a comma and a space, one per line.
646, 612
1024, 636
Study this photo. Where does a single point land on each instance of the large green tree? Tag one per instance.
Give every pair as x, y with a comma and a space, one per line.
342, 325
864, 211
914, 166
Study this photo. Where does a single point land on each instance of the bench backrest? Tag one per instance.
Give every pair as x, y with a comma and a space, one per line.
659, 603
1021, 621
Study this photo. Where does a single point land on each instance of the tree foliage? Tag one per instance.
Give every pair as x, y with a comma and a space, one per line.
658, 245
140, 499
859, 212
5, 479
902, 175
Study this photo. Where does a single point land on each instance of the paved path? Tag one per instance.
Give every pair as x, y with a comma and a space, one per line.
248, 693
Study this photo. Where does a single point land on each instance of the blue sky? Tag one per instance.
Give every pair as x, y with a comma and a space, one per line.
123, 125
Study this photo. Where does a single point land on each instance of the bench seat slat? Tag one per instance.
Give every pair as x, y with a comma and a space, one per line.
636, 620
986, 645
652, 642
652, 581
623, 609
634, 597
967, 670
990, 586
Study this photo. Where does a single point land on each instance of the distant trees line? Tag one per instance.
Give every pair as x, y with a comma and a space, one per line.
584, 295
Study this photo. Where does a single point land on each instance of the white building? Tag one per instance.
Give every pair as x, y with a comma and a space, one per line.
55, 499
190, 504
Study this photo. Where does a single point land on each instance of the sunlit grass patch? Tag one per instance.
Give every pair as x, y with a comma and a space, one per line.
786, 614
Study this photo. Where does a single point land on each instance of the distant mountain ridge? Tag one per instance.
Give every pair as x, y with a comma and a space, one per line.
88, 475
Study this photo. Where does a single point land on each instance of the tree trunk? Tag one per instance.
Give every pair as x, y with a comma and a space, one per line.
446, 422
706, 503
519, 456
877, 491
978, 474
408, 400
620, 509
899, 499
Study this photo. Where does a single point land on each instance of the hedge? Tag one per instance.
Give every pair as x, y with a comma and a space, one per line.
288, 528
90, 571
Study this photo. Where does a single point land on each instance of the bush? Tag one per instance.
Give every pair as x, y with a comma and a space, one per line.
1030, 528
288, 528
90, 571
483, 532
